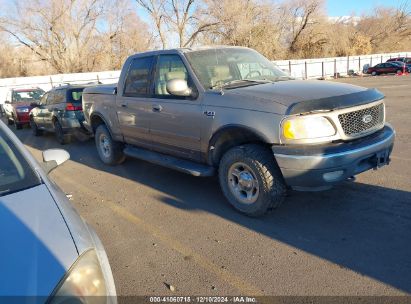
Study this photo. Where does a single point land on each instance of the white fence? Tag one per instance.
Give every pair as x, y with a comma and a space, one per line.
335, 66
49, 81
301, 68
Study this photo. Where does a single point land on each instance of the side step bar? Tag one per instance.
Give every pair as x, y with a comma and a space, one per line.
171, 162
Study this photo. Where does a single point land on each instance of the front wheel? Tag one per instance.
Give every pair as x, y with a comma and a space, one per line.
34, 128
374, 73
109, 150
251, 180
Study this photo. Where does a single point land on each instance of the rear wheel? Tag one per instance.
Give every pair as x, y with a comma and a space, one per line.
251, 180
34, 128
60, 136
109, 150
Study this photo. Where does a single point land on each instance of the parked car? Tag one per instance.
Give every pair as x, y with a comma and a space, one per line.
385, 68
406, 67
19, 103
402, 59
48, 253
59, 111
230, 110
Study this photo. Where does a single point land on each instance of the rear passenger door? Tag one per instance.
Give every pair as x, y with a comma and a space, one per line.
55, 107
133, 104
175, 123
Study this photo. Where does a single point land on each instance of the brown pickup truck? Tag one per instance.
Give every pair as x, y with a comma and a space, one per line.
230, 110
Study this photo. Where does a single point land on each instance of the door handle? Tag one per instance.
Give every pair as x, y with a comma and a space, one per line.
124, 105
157, 108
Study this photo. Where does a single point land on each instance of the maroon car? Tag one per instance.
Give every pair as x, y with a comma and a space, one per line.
385, 68
18, 105
407, 60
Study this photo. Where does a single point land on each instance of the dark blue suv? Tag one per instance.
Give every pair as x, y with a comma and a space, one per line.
59, 111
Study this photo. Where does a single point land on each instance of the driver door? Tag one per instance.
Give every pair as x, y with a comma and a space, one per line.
175, 123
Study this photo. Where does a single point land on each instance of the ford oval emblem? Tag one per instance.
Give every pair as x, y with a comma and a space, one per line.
367, 118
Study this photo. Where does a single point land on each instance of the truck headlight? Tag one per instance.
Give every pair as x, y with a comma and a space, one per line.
306, 127
84, 283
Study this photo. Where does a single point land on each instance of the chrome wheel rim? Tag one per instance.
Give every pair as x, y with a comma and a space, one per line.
105, 146
243, 183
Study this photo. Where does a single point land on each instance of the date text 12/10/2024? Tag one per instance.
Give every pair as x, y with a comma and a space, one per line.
202, 299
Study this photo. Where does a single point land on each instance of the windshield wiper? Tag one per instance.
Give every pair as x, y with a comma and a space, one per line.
236, 81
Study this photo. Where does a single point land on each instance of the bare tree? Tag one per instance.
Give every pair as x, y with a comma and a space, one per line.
388, 29
156, 10
180, 20
58, 32
251, 23
75, 35
302, 16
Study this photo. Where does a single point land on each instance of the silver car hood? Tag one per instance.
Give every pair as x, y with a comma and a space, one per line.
36, 247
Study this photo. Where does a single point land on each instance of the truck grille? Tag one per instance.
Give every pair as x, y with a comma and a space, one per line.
356, 122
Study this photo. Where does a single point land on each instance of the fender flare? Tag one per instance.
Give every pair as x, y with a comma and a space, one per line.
251, 133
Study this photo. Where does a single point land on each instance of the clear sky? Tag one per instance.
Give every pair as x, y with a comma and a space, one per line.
347, 7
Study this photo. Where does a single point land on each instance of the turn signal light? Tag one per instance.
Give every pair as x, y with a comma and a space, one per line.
71, 107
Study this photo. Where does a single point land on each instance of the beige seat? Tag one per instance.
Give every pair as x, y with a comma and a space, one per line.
161, 86
220, 74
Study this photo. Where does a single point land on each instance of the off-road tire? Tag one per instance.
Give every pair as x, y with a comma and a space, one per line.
114, 155
34, 128
60, 136
260, 160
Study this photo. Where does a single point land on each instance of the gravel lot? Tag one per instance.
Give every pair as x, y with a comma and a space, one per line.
162, 228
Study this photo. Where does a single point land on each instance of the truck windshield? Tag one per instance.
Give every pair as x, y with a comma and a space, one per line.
232, 67
15, 173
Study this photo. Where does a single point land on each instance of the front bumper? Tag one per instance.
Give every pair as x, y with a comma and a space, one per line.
319, 167
22, 117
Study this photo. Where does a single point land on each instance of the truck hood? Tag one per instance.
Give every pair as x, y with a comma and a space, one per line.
36, 247
299, 96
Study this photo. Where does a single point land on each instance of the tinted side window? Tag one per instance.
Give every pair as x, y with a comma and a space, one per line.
43, 99
59, 96
50, 97
56, 96
75, 95
138, 78
169, 67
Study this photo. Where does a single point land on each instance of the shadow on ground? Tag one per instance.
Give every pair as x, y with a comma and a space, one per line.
361, 227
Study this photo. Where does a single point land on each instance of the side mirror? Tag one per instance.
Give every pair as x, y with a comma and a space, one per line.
178, 87
52, 158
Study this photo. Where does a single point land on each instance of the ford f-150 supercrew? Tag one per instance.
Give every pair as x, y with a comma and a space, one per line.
230, 110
